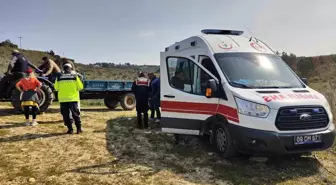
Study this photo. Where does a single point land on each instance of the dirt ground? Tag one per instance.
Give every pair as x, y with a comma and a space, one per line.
112, 151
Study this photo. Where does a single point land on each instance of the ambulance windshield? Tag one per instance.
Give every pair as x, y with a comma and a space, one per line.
256, 70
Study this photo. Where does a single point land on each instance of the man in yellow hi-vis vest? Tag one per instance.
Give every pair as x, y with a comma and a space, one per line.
68, 86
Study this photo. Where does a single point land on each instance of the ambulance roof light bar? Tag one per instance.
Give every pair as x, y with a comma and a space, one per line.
222, 32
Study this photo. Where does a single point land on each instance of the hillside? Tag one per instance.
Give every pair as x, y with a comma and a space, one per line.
320, 70
99, 71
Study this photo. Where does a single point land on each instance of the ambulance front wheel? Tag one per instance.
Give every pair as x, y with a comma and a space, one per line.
222, 140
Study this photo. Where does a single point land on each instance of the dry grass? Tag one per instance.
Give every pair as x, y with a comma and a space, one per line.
112, 151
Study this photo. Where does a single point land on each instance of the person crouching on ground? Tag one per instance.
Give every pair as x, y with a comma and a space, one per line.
28, 87
140, 88
68, 86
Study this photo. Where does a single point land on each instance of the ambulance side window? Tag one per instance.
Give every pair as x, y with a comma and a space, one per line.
180, 73
208, 64
184, 75
203, 77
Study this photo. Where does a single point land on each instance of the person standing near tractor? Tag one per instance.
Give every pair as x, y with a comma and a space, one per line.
68, 86
16, 70
28, 87
140, 88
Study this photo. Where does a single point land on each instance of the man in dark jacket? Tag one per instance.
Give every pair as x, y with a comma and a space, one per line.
140, 88
16, 70
155, 95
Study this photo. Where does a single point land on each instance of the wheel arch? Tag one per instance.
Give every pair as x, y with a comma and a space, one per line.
209, 123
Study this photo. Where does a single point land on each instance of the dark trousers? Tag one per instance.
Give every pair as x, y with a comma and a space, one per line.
158, 113
155, 108
152, 110
6, 80
26, 110
145, 119
72, 107
142, 109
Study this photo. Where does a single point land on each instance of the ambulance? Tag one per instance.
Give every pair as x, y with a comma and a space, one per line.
235, 89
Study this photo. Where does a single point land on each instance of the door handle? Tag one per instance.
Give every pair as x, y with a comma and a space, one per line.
168, 96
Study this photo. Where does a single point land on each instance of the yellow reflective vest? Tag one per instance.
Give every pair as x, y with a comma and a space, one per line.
68, 87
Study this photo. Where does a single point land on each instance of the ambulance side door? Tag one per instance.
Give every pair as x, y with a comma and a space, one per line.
183, 102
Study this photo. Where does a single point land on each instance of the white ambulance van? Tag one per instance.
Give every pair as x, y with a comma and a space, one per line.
237, 90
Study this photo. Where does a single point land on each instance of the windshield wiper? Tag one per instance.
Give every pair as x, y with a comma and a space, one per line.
236, 84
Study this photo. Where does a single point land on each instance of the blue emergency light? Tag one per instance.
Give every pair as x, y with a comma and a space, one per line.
222, 32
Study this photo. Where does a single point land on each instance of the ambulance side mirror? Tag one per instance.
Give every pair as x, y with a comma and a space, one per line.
305, 81
212, 88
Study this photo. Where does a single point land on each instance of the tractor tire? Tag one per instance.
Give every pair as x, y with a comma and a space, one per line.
111, 102
223, 141
15, 100
45, 95
127, 101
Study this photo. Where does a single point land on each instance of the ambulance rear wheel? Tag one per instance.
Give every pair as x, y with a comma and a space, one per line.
222, 140
127, 101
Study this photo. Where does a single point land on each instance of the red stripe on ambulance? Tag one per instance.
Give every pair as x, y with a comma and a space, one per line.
200, 108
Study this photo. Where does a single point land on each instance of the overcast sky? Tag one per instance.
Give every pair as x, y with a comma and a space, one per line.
136, 31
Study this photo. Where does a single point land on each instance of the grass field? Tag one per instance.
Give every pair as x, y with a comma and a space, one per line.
112, 151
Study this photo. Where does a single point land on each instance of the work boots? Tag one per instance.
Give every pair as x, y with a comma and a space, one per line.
79, 128
70, 130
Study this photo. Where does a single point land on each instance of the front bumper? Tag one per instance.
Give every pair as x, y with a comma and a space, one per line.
255, 141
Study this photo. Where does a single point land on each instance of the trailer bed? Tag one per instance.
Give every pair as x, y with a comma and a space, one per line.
103, 85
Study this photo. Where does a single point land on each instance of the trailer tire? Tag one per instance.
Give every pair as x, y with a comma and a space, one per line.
127, 101
222, 140
111, 102
45, 95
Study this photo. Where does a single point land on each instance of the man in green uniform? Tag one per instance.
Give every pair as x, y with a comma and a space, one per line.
68, 86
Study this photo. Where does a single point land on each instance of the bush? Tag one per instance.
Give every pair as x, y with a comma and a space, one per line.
8, 43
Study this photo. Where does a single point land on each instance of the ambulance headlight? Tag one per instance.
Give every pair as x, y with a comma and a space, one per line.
252, 109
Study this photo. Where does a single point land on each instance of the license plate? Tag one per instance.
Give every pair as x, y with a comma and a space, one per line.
301, 140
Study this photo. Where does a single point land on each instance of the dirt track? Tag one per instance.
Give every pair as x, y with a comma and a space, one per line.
112, 151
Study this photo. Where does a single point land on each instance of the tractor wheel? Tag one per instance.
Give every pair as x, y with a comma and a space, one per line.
45, 98
15, 100
111, 102
127, 101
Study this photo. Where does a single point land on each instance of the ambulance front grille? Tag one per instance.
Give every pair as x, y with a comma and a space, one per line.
301, 118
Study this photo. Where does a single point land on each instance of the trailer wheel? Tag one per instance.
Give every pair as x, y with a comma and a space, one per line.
222, 140
111, 102
45, 98
127, 101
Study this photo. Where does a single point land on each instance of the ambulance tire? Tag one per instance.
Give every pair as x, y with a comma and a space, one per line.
222, 140
128, 102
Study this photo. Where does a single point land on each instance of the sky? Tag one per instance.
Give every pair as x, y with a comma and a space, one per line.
135, 31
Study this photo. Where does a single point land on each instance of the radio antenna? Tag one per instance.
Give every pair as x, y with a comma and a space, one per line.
250, 34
